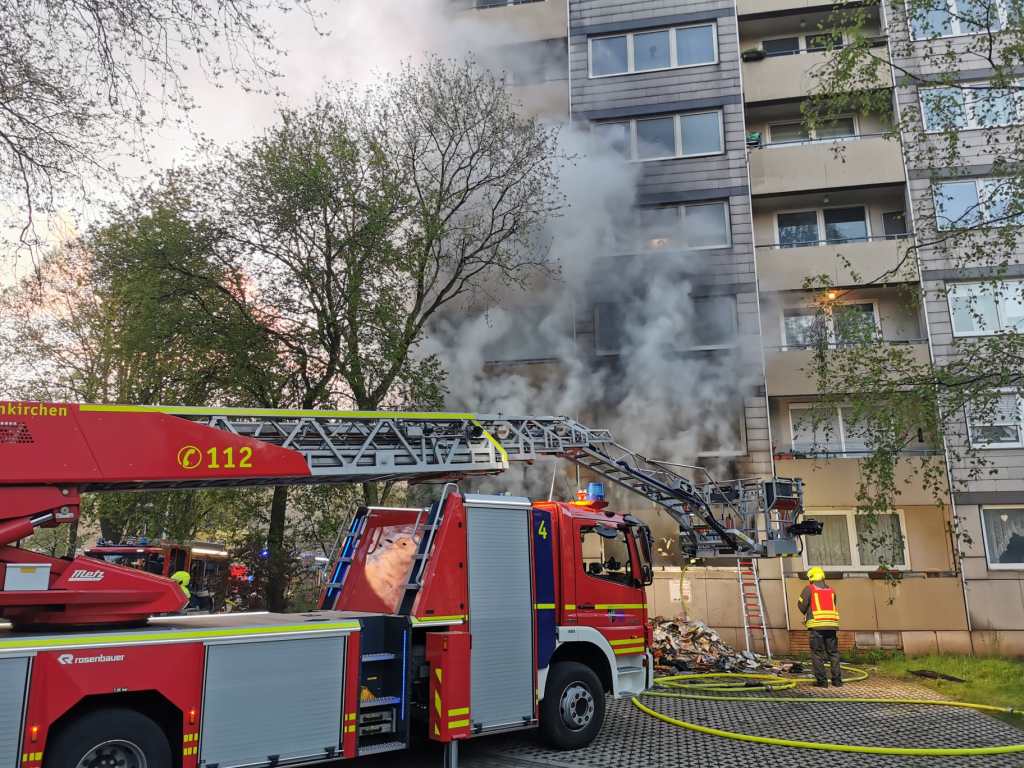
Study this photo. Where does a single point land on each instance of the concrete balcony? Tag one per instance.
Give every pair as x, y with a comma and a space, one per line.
546, 100
775, 78
833, 482
853, 263
818, 165
756, 7
788, 372
522, 22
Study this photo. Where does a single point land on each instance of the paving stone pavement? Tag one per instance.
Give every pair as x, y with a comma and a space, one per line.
631, 739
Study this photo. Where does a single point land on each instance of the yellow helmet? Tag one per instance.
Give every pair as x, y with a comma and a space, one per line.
182, 577
815, 573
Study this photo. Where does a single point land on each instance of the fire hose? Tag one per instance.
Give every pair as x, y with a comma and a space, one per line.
716, 686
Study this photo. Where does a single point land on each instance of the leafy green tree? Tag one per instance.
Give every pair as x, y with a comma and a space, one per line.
956, 107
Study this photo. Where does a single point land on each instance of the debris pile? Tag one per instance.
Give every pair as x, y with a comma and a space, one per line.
695, 647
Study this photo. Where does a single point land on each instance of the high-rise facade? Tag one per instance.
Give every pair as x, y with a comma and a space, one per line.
704, 98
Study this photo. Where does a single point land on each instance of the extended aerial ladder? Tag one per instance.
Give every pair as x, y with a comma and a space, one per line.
51, 453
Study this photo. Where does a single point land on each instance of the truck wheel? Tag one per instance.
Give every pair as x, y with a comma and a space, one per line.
572, 711
109, 737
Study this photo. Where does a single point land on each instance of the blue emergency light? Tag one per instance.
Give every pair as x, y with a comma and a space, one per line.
595, 491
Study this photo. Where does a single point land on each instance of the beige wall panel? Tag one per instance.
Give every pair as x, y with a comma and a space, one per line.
856, 603
787, 269
771, 598
996, 604
528, 22
954, 642
802, 167
784, 77
927, 538
833, 483
723, 606
991, 643
918, 603
920, 643
789, 373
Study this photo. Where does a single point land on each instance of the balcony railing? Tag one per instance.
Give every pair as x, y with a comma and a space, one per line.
500, 3
827, 451
834, 241
840, 344
757, 143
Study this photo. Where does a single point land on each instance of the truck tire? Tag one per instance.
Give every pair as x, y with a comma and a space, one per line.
106, 737
572, 710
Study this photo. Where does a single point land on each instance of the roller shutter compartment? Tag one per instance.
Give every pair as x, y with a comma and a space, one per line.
13, 674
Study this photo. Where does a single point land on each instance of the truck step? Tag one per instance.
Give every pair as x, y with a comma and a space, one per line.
378, 656
382, 701
387, 746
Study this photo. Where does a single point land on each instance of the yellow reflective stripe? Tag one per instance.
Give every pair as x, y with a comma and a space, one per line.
350, 729
613, 606
193, 634
570, 607
437, 619
628, 641
490, 438
440, 676
459, 711
458, 723
184, 410
544, 606
350, 716
631, 649
437, 703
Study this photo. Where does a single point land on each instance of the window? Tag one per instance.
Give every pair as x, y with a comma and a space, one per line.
692, 134
949, 18
832, 432
788, 133
716, 324
609, 328
996, 424
1003, 531
691, 227
858, 542
977, 202
894, 223
829, 225
984, 309
847, 323
606, 556
781, 46
974, 105
796, 229
811, 43
647, 51
726, 435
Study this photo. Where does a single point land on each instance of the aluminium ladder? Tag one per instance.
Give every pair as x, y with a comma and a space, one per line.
752, 606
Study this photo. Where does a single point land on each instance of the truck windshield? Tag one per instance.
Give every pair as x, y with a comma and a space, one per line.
606, 557
642, 539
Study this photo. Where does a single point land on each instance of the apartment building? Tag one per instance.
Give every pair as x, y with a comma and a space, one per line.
705, 97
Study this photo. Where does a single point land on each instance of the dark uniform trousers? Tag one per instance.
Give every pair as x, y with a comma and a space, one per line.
825, 651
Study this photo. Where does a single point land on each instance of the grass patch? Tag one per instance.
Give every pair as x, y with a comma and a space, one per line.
995, 681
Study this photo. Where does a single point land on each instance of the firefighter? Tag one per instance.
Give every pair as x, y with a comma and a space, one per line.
183, 579
821, 617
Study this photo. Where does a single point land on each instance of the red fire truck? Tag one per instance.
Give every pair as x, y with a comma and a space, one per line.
478, 614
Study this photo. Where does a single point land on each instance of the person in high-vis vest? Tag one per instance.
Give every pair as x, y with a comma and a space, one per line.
820, 608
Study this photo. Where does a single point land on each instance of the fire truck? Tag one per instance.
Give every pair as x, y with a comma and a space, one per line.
476, 615
207, 564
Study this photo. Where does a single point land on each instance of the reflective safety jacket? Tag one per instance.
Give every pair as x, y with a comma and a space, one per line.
823, 612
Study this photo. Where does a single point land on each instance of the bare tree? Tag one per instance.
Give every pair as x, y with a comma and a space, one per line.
81, 77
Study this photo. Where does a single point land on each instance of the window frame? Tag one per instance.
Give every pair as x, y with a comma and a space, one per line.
630, 565
968, 105
984, 537
673, 49
1016, 445
954, 22
851, 532
830, 323
680, 211
805, 406
677, 127
820, 213
812, 137
801, 38
951, 289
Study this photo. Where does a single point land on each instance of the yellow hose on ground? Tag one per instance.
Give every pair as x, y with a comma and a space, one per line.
743, 681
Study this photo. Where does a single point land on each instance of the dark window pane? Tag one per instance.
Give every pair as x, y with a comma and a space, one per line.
798, 228
854, 323
609, 328
894, 223
803, 327
656, 138
695, 45
651, 50
608, 56
845, 224
702, 133
781, 46
787, 132
660, 228
717, 320
822, 41
837, 129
